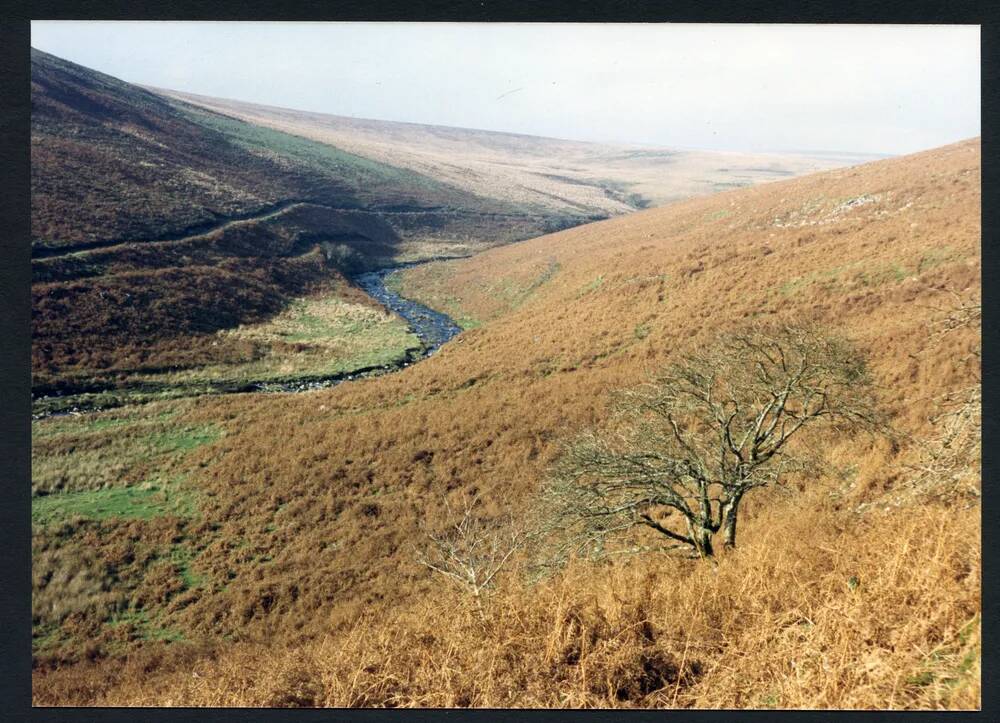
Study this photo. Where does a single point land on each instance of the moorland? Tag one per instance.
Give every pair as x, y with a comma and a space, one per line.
253, 549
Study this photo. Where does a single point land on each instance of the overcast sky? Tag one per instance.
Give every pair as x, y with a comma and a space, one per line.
875, 89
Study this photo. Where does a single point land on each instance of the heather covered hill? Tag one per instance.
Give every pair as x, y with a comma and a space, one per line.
114, 163
289, 576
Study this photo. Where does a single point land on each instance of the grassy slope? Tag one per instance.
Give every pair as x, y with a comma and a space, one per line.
311, 503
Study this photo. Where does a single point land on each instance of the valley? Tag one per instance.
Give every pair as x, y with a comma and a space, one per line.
214, 218
454, 305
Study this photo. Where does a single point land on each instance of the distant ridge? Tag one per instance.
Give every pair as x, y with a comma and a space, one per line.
549, 173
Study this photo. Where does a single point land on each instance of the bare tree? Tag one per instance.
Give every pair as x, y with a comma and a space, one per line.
687, 447
472, 552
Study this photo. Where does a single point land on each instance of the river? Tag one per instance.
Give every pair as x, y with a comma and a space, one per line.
433, 328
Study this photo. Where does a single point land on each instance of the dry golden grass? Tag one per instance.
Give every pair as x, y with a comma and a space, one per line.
311, 503
804, 616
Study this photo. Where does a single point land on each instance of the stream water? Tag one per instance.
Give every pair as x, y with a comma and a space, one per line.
432, 328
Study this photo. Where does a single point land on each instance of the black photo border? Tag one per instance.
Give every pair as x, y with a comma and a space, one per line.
15, 330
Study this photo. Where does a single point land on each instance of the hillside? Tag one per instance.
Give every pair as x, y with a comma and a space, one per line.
156, 225
163, 225
114, 163
260, 550
549, 174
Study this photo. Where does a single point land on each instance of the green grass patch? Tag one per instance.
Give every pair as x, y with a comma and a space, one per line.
137, 448
46, 637
184, 440
921, 679
468, 322
432, 279
451, 306
146, 628
182, 557
136, 502
591, 287
314, 337
82, 424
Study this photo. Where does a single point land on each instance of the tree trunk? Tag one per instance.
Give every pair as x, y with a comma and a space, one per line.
730, 511
702, 537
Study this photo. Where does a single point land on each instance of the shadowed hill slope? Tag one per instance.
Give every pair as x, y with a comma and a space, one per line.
112, 162
310, 506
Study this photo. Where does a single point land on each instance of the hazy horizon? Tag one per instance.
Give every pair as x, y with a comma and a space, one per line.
881, 90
